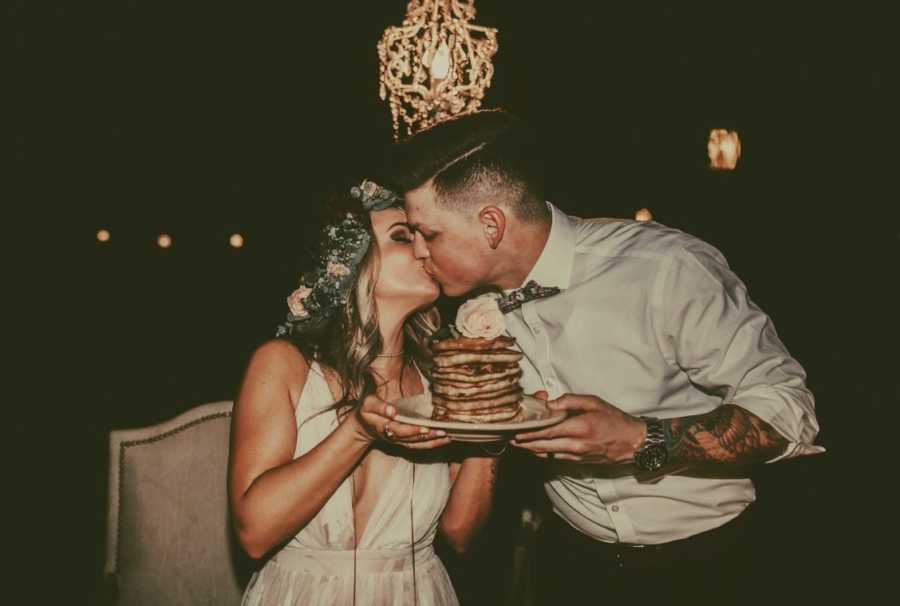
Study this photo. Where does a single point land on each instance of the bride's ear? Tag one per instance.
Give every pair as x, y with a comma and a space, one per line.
493, 225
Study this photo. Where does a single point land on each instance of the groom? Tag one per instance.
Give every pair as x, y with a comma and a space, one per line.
673, 381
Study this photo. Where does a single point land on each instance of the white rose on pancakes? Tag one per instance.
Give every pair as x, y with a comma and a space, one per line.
481, 317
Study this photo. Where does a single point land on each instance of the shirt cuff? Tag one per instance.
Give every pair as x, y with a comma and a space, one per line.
793, 421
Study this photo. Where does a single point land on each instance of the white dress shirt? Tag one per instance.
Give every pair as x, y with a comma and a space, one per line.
652, 321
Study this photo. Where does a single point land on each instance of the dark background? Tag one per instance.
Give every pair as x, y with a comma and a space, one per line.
205, 119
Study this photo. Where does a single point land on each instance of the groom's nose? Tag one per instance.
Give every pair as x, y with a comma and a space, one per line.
420, 248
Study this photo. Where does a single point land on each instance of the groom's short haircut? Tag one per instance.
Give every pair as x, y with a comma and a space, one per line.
485, 154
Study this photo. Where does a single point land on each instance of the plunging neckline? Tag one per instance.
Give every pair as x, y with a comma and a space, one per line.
395, 474
392, 559
392, 485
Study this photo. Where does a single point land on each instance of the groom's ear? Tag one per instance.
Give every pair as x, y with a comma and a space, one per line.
493, 225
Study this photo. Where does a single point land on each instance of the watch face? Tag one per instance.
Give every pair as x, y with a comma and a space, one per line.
652, 457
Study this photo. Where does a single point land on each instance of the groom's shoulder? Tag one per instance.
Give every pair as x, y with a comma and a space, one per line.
611, 237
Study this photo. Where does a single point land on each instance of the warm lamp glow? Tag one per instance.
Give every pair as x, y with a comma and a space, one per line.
436, 65
440, 64
236, 240
643, 214
103, 235
164, 241
724, 148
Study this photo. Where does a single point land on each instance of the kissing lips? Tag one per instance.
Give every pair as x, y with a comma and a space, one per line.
432, 276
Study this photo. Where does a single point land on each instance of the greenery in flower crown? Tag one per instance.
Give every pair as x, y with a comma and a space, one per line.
325, 289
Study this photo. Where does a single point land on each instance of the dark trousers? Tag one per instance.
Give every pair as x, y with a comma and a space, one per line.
714, 567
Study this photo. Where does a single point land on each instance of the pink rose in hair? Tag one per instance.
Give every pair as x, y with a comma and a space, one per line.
295, 301
337, 270
481, 317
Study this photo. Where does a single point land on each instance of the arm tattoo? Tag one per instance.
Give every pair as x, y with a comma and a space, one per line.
727, 435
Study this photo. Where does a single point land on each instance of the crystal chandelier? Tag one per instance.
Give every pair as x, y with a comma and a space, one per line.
436, 65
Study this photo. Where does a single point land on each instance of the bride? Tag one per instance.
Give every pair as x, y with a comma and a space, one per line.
344, 501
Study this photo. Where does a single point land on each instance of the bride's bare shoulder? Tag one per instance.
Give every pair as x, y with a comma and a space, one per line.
281, 361
278, 362
279, 355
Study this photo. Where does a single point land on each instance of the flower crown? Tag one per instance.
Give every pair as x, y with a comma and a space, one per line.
325, 289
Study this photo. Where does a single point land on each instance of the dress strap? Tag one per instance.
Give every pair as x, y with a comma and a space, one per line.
316, 394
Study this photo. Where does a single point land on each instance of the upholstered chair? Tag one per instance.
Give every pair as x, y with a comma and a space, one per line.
169, 540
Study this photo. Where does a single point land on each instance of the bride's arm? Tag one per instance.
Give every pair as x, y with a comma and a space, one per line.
273, 495
470, 500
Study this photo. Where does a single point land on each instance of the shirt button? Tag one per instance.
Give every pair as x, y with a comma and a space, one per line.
615, 508
537, 330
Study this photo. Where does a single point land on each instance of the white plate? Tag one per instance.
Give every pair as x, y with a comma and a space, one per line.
416, 410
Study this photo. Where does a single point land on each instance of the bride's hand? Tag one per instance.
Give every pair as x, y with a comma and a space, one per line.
375, 420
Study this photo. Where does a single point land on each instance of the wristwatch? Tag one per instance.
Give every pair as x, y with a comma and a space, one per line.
652, 454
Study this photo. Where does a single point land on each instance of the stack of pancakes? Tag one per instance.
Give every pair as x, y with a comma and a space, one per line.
476, 380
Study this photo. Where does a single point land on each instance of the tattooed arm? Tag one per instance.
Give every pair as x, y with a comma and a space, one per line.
721, 441
726, 346
729, 435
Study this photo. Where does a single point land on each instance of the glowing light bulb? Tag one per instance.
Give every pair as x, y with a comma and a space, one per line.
164, 241
103, 235
643, 214
440, 63
724, 149
236, 240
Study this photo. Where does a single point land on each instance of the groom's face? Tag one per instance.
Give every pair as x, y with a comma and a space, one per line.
451, 244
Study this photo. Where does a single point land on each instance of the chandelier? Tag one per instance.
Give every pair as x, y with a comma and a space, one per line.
436, 65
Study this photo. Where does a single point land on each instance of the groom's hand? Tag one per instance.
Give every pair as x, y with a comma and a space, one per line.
594, 432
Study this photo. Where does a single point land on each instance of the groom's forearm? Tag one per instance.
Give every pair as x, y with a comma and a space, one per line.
727, 437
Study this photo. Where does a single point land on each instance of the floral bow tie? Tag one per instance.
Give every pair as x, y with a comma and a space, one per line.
531, 291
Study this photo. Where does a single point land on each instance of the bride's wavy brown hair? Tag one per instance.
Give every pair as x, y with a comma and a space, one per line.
349, 341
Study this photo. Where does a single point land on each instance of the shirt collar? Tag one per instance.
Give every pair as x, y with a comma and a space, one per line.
554, 265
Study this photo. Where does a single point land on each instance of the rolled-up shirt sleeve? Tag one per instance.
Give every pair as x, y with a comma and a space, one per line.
729, 347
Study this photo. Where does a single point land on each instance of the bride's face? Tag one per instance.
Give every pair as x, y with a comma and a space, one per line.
402, 280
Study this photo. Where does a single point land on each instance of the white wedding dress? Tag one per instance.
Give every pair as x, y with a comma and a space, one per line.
317, 566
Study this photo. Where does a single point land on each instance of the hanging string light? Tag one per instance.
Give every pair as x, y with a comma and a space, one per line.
643, 214
724, 149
